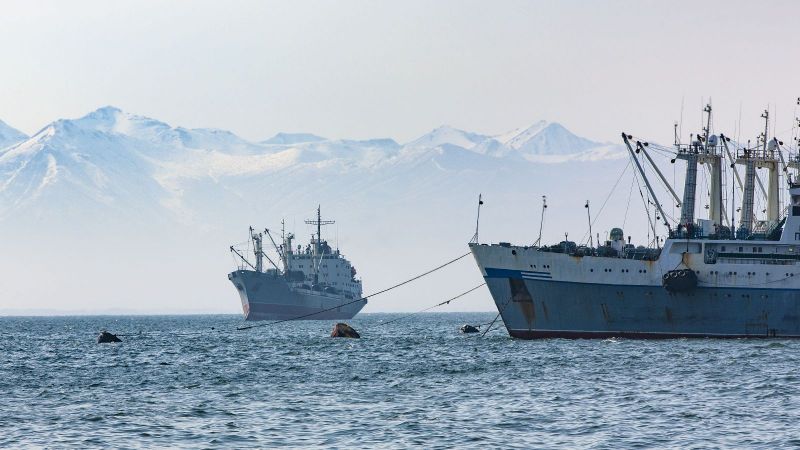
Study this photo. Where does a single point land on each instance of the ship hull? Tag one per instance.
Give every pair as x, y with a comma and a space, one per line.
569, 310
268, 297
569, 297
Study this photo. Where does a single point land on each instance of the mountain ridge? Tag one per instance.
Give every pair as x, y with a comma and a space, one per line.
10, 136
109, 159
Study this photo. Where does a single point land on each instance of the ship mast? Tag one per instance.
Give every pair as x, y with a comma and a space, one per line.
794, 158
762, 156
771, 163
713, 157
257, 249
317, 248
703, 150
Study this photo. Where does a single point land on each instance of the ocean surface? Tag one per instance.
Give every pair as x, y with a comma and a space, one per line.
195, 381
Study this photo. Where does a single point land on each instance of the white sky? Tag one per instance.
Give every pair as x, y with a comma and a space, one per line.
363, 69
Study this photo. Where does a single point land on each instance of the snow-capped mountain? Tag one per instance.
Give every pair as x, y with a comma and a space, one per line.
543, 138
446, 134
292, 138
113, 193
10, 136
541, 142
117, 159
110, 159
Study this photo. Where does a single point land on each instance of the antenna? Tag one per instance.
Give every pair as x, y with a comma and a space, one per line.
707, 128
675, 133
478, 220
541, 221
319, 223
589, 215
680, 126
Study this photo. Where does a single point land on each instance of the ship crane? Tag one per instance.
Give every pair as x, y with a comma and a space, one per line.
704, 150
258, 249
794, 157
277, 249
761, 156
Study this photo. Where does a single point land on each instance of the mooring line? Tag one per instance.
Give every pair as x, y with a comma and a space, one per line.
360, 299
491, 324
434, 306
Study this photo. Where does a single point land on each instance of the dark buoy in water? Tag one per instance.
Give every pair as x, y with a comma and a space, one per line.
469, 329
106, 337
344, 330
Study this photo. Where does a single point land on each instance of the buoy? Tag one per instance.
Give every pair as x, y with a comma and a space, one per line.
469, 329
344, 330
106, 337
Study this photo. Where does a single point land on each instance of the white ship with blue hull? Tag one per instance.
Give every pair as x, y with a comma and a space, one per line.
703, 280
314, 282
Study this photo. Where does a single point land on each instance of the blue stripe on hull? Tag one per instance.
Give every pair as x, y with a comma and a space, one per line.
547, 308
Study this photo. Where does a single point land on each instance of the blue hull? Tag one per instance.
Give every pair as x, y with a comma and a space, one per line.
269, 297
539, 308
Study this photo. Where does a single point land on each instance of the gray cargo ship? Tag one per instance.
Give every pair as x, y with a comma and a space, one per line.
709, 277
314, 282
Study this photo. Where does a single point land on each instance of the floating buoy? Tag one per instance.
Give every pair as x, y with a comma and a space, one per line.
344, 330
106, 337
469, 329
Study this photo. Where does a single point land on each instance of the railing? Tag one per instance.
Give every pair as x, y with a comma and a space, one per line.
758, 154
629, 252
699, 149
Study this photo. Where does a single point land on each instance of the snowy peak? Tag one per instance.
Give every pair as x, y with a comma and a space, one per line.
10, 136
293, 138
543, 138
152, 137
515, 138
446, 134
110, 119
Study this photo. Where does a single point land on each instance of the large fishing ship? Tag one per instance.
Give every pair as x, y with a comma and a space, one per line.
306, 283
709, 277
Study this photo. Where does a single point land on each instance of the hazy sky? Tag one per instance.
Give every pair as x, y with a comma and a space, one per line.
363, 69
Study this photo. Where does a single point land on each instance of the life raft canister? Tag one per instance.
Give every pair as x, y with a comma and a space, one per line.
683, 280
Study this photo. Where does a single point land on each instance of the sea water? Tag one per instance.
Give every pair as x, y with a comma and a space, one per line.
196, 381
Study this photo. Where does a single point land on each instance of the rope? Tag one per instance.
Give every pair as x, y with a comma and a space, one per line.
360, 299
644, 202
630, 194
490, 325
600, 212
434, 306
495, 318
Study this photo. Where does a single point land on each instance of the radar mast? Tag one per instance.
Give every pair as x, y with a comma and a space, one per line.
317, 248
